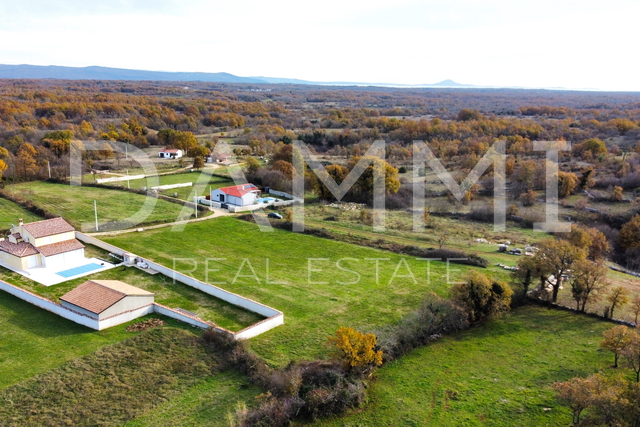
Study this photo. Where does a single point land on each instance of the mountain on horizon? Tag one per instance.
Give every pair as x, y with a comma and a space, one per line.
25, 71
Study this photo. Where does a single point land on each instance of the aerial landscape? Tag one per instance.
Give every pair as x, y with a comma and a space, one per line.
428, 214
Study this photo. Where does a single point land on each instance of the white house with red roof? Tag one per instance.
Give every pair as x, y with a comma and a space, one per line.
170, 153
238, 195
50, 243
105, 299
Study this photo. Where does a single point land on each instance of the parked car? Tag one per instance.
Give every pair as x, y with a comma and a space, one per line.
274, 215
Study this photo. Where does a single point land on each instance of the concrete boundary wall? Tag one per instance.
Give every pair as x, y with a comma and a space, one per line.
273, 319
170, 186
119, 178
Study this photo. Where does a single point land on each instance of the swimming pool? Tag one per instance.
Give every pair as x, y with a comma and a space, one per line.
79, 270
266, 200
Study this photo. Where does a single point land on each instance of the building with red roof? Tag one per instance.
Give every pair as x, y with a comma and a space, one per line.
238, 195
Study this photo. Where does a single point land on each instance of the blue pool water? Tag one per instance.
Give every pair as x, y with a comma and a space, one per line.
266, 200
79, 270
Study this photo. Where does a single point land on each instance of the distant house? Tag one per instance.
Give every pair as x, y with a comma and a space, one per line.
103, 299
170, 153
217, 158
51, 243
239, 195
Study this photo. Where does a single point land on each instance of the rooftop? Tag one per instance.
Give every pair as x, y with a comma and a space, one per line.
48, 227
239, 190
98, 295
21, 249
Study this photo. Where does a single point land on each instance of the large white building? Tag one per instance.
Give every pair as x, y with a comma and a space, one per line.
51, 243
238, 195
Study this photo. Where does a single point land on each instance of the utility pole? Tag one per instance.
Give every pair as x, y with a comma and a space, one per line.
49, 167
95, 209
195, 201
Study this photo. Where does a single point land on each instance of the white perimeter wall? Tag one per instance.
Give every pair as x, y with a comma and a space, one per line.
273, 319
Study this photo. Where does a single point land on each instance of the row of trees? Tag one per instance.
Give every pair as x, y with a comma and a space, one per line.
608, 400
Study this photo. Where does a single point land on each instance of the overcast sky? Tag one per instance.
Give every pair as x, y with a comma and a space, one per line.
542, 43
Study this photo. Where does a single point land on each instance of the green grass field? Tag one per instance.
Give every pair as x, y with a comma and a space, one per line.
119, 382
33, 341
10, 213
75, 204
184, 193
315, 303
174, 295
500, 374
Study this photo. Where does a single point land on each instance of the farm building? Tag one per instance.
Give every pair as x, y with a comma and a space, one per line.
104, 299
170, 153
51, 243
238, 195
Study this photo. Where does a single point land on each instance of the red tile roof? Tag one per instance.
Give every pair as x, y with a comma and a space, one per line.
21, 250
98, 295
48, 227
239, 190
60, 247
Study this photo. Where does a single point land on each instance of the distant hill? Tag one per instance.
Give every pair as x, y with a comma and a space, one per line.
106, 73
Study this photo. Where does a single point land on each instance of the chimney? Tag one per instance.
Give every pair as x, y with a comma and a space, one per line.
20, 222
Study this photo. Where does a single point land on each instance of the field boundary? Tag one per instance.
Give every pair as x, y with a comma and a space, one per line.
273, 317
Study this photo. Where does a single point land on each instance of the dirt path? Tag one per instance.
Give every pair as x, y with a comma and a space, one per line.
217, 213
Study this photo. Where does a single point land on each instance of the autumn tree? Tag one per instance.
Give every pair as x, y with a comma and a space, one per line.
629, 237
618, 297
616, 194
336, 172
635, 308
482, 297
589, 280
576, 394
4, 153
198, 162
567, 183
253, 165
599, 400
631, 353
355, 349
364, 186
529, 198
591, 238
587, 179
556, 257
615, 340
25, 161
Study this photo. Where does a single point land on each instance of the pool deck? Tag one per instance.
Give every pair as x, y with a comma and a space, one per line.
49, 276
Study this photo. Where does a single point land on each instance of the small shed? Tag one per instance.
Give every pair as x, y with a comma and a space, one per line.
103, 299
170, 153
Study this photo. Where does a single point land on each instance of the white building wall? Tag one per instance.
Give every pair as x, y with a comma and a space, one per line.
128, 303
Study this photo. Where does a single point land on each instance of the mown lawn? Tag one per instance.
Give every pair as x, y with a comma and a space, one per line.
315, 303
33, 341
10, 213
500, 374
115, 207
183, 193
174, 295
